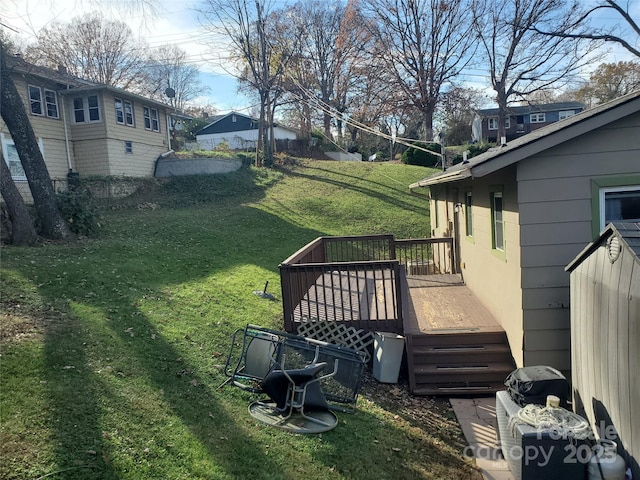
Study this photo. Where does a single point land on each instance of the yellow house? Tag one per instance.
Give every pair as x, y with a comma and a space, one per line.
520, 213
85, 128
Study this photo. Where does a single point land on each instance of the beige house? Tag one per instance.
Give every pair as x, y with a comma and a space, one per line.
520, 213
86, 128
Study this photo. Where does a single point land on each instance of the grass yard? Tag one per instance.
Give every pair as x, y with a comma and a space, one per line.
111, 348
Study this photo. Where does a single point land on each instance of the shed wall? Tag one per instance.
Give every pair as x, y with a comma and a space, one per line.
605, 323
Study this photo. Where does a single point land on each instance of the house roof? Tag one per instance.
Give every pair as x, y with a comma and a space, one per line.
628, 234
537, 141
20, 65
254, 122
69, 83
526, 109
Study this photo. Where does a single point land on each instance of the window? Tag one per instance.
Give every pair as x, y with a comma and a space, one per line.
51, 101
497, 221
12, 159
119, 111
41, 106
35, 100
493, 123
128, 113
468, 214
86, 109
151, 119
537, 118
435, 211
619, 204
566, 114
128, 147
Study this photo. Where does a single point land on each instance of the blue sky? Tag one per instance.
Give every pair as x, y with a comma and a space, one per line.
176, 22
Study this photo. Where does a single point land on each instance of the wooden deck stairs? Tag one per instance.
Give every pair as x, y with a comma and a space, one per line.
458, 362
454, 345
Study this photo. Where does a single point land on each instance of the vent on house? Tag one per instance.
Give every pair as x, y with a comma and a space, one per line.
613, 247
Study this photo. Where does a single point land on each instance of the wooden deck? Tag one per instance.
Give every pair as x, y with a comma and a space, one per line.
444, 304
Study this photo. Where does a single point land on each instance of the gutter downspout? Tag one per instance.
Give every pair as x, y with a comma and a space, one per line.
66, 132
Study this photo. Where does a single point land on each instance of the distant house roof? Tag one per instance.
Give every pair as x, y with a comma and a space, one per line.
527, 109
627, 232
222, 124
537, 141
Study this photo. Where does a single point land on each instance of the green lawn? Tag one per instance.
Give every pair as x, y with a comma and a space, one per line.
111, 347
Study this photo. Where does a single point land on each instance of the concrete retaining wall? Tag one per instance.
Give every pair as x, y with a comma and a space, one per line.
168, 167
344, 157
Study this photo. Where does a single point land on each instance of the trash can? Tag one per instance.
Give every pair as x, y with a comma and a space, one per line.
387, 356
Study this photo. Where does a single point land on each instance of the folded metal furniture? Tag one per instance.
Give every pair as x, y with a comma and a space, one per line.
256, 351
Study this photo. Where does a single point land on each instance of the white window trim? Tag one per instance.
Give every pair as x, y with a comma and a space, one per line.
128, 147
604, 191
55, 102
566, 114
128, 123
492, 123
85, 107
8, 141
40, 101
119, 109
468, 198
537, 117
154, 122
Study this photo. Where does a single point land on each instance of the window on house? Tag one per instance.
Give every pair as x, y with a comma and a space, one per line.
35, 100
151, 119
493, 123
497, 221
468, 214
435, 211
537, 118
86, 109
10, 155
566, 114
128, 147
51, 101
619, 204
119, 110
128, 113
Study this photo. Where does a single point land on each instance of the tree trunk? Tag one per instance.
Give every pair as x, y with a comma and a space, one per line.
501, 99
15, 117
427, 125
22, 231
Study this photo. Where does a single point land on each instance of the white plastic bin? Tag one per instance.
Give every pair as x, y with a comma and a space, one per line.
387, 356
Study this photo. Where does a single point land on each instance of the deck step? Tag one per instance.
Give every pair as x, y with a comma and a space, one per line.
461, 363
493, 352
469, 337
460, 389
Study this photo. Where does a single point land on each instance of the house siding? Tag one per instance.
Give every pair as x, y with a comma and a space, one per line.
555, 196
493, 278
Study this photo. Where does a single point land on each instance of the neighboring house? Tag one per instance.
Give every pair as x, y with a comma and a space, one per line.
521, 120
605, 329
520, 213
86, 128
238, 131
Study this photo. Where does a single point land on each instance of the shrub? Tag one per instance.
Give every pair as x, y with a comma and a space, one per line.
415, 156
79, 210
473, 149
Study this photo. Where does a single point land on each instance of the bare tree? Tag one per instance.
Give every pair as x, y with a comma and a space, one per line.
92, 48
332, 45
169, 68
423, 44
522, 60
580, 26
252, 30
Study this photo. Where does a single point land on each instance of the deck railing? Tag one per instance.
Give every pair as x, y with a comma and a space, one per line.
357, 280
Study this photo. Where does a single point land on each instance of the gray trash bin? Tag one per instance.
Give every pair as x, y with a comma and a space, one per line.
387, 356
